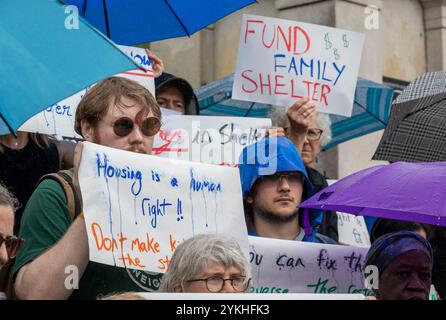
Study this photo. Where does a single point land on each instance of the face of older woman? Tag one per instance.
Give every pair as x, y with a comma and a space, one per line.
408, 277
210, 280
312, 146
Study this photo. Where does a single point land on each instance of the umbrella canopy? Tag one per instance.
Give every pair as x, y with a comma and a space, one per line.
416, 131
42, 62
215, 99
131, 22
402, 191
370, 111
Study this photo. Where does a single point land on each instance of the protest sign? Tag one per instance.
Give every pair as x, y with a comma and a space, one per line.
207, 139
352, 229
58, 120
282, 266
244, 296
138, 208
280, 61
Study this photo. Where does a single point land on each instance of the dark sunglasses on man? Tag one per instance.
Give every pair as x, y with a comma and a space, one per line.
149, 127
13, 244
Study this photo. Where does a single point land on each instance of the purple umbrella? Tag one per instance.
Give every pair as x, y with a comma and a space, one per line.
402, 191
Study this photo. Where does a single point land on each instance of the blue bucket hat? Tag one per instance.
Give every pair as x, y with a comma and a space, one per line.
268, 157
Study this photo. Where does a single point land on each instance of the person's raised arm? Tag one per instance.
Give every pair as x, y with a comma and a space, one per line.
299, 115
45, 277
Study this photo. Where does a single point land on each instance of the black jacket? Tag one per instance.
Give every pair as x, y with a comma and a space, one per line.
329, 225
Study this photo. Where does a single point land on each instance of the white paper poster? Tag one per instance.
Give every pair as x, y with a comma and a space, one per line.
58, 120
282, 266
138, 208
280, 61
207, 139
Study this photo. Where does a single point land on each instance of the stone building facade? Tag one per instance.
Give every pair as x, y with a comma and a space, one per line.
404, 38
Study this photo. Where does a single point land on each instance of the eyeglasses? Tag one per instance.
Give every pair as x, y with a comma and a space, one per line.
215, 283
124, 126
314, 134
290, 177
13, 244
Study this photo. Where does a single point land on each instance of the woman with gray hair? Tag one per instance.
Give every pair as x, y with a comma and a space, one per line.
309, 131
207, 263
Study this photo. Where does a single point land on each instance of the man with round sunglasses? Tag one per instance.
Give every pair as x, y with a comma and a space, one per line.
117, 113
9, 244
271, 197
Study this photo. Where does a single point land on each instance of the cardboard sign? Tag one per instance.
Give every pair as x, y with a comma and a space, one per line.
352, 229
213, 140
58, 120
280, 61
138, 208
282, 266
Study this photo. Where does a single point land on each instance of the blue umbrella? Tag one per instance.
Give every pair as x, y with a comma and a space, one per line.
43, 62
131, 22
215, 99
370, 111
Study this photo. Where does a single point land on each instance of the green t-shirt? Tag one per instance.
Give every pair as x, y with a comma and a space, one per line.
45, 220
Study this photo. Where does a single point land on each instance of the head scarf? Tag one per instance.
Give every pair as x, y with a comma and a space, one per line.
390, 246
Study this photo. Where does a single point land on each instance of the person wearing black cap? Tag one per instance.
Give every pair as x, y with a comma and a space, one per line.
176, 94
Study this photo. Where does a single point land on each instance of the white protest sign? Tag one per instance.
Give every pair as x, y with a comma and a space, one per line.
282, 266
138, 208
352, 230
58, 120
207, 139
280, 61
241, 296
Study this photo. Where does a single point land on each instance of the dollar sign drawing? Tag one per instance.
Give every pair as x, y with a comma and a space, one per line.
336, 54
346, 42
328, 43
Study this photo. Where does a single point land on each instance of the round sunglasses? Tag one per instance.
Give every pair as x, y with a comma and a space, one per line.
124, 126
13, 244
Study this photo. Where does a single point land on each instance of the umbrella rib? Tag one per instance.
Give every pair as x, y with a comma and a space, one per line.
178, 18
107, 26
84, 8
249, 110
370, 113
7, 124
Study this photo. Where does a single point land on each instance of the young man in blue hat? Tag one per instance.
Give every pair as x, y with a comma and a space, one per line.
274, 182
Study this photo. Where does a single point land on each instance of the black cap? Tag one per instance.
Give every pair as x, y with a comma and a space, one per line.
190, 99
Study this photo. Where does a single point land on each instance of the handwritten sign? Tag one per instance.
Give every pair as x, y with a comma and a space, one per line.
242, 296
282, 266
352, 229
138, 208
58, 120
280, 61
214, 140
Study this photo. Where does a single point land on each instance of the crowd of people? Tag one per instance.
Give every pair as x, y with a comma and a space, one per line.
42, 228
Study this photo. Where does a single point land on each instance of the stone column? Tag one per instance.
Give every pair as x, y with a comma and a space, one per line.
435, 29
